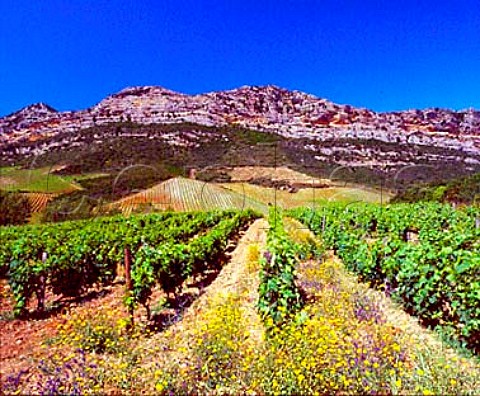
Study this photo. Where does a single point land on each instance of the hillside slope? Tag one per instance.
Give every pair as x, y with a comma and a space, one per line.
316, 131
464, 190
180, 194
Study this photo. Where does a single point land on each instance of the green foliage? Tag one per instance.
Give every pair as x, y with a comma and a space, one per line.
72, 256
14, 208
425, 255
465, 190
279, 297
171, 262
250, 136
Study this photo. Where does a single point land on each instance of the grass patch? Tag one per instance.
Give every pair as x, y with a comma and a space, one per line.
305, 197
38, 180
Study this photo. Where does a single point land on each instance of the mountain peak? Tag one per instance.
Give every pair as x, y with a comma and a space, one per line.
143, 90
33, 111
37, 108
259, 88
267, 108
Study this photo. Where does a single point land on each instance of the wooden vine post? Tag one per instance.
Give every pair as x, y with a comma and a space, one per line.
41, 287
128, 283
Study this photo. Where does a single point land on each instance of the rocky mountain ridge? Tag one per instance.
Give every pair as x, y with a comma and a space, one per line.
329, 132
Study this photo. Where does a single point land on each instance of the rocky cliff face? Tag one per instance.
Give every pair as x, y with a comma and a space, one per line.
320, 129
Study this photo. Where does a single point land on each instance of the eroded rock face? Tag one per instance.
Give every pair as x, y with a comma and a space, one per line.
322, 127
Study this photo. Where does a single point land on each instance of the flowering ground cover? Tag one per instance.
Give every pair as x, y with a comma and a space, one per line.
344, 338
425, 255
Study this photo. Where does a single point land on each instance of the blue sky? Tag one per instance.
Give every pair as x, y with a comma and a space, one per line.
383, 55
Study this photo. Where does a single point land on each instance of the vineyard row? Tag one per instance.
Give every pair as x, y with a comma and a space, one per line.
427, 256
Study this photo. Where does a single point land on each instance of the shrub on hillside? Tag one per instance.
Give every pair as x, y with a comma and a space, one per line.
14, 208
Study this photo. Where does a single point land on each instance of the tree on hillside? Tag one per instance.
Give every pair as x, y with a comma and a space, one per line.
14, 208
